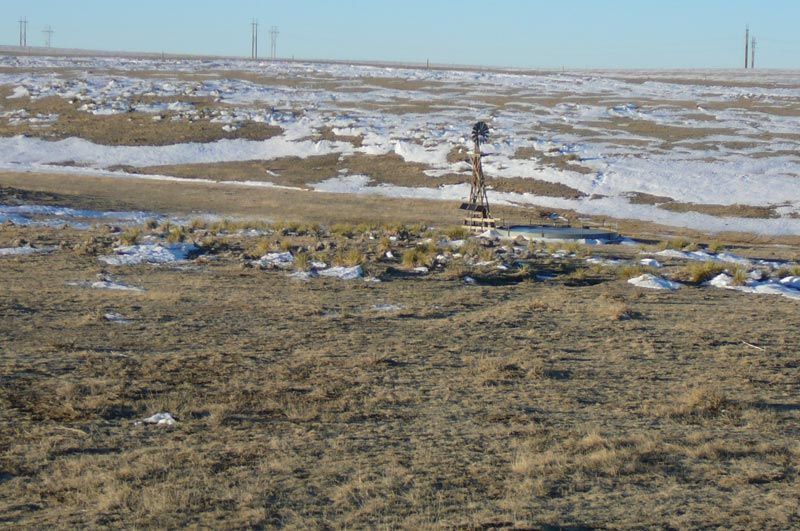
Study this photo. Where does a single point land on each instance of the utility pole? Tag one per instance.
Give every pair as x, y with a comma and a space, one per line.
273, 37
23, 32
746, 44
254, 39
48, 36
753, 53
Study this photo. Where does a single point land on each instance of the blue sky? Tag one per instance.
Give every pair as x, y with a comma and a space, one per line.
547, 34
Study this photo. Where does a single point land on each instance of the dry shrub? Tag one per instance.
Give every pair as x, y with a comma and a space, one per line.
715, 247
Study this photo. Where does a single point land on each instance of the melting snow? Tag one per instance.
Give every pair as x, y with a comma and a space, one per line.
105, 283
767, 287
342, 273
116, 318
159, 419
24, 250
653, 282
149, 254
275, 260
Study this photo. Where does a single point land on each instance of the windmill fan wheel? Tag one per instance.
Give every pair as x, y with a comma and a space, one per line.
480, 132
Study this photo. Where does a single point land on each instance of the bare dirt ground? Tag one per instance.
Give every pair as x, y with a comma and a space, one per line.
554, 396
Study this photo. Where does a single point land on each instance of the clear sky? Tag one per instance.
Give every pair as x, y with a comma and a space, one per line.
533, 33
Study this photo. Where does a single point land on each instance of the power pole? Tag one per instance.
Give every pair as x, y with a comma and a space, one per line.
254, 39
753, 53
48, 36
273, 37
23, 32
746, 44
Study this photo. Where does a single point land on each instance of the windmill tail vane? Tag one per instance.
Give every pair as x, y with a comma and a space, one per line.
479, 218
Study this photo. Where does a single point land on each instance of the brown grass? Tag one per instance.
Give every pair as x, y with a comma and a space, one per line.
129, 129
528, 404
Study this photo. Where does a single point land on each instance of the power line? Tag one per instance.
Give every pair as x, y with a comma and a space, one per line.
23, 32
254, 39
48, 36
273, 37
746, 44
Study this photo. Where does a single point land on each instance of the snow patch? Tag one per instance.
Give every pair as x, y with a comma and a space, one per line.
649, 281
24, 250
342, 273
275, 261
149, 254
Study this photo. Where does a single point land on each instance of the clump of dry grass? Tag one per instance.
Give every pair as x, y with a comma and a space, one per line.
701, 401
677, 244
740, 276
416, 257
614, 309
384, 245
715, 246
699, 272
455, 270
131, 236
349, 258
627, 272
176, 234
302, 262
261, 247
457, 233
792, 271
343, 230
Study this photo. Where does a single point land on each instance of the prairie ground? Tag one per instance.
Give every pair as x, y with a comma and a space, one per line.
554, 396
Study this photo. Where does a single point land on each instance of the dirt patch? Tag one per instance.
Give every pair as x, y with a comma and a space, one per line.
724, 211
665, 133
555, 159
132, 128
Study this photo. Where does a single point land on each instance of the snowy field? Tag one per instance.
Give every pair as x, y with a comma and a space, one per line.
720, 138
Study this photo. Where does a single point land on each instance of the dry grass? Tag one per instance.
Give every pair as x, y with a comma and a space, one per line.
698, 272
509, 402
129, 129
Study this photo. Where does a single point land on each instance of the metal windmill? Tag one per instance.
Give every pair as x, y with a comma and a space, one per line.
479, 218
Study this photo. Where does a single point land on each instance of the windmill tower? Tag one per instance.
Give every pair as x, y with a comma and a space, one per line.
479, 218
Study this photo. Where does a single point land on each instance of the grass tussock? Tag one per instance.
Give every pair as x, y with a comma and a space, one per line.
676, 244
456, 233
131, 236
349, 258
419, 256
699, 272
700, 402
628, 272
740, 276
